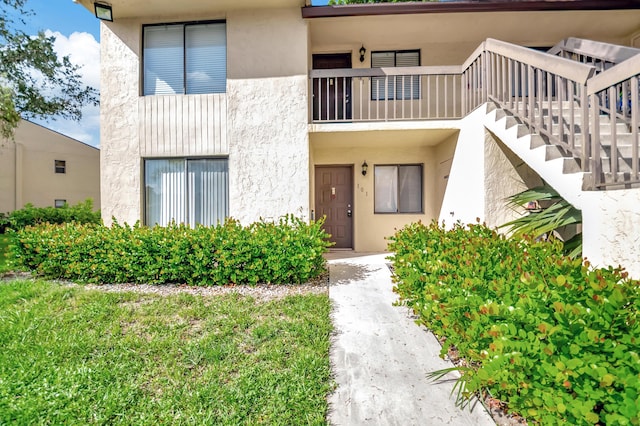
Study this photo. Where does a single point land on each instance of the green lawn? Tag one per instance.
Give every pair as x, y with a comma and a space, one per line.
76, 356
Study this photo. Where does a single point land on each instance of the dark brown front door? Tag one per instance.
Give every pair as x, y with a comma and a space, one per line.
332, 96
334, 199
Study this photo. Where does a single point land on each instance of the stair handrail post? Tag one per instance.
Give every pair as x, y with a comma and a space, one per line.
596, 163
584, 128
484, 77
635, 122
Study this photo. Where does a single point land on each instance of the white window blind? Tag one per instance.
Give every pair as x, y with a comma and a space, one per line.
206, 47
398, 87
185, 58
163, 60
186, 191
398, 189
208, 191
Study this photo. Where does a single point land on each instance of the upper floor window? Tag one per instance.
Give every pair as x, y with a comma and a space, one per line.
60, 166
400, 87
185, 58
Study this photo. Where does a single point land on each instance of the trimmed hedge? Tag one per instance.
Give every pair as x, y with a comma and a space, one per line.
289, 251
30, 215
555, 339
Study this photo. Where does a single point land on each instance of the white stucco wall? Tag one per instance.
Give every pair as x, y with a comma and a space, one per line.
611, 229
269, 149
261, 127
267, 114
464, 198
119, 89
505, 175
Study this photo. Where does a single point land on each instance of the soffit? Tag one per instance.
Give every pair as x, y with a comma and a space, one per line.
395, 139
169, 8
517, 27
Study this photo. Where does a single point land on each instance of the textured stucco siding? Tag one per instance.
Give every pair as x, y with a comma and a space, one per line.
269, 152
260, 123
119, 90
505, 175
267, 114
610, 226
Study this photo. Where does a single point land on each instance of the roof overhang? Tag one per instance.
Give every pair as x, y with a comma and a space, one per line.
464, 6
123, 9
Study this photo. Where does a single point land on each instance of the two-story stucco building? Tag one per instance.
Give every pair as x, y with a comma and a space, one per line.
45, 168
373, 115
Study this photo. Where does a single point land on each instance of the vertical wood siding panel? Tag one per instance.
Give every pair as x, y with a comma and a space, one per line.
142, 139
179, 125
185, 125
172, 136
215, 122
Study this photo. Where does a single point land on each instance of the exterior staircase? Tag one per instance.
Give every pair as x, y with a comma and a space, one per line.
622, 152
577, 109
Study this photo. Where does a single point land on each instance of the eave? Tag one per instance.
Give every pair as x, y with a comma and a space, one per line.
464, 6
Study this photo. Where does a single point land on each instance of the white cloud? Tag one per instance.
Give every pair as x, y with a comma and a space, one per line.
84, 51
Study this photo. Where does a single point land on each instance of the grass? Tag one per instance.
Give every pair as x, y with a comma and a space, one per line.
4, 243
76, 356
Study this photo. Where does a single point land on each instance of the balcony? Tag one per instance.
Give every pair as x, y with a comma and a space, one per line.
386, 94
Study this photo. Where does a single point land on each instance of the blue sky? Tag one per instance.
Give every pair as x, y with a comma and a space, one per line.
77, 36
78, 33
63, 16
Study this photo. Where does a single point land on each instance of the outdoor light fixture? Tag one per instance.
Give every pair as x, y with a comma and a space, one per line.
362, 52
103, 12
365, 167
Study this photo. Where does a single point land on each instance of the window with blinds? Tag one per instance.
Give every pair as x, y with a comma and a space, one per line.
185, 58
401, 87
398, 189
193, 191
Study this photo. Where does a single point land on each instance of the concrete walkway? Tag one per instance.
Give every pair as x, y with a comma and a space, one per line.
380, 357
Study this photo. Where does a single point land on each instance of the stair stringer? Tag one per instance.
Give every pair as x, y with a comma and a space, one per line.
518, 139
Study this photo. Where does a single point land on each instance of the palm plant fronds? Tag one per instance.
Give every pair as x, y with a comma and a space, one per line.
555, 214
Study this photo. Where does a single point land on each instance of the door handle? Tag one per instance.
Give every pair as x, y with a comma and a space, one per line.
349, 213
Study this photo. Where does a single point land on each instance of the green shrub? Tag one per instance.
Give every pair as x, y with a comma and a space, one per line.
30, 215
555, 339
289, 251
4, 222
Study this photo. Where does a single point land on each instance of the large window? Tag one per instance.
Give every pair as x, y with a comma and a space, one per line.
185, 58
191, 191
400, 87
398, 189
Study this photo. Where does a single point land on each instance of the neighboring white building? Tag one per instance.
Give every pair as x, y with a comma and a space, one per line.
259, 108
45, 168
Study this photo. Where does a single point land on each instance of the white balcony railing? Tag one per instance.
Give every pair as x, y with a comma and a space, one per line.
386, 94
